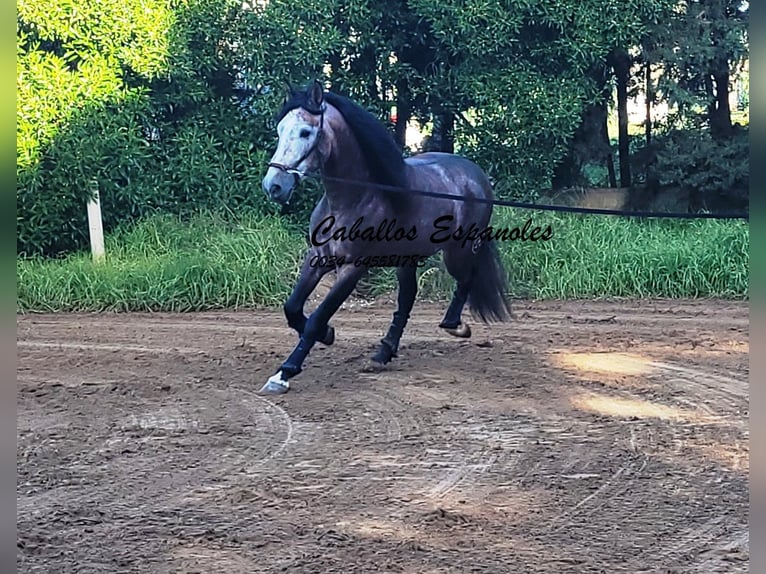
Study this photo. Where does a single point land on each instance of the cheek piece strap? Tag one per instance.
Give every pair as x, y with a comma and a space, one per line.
293, 170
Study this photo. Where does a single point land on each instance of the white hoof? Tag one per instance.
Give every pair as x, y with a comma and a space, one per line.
276, 385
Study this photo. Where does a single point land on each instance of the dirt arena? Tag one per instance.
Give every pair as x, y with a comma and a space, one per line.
581, 437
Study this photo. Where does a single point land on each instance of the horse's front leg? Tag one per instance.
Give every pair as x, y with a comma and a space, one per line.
308, 279
315, 327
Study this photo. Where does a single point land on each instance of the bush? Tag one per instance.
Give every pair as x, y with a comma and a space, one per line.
78, 117
713, 174
140, 108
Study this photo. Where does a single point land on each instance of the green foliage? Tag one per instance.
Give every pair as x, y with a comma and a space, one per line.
597, 256
521, 132
518, 74
105, 149
74, 54
699, 40
79, 121
716, 172
209, 262
167, 105
134, 100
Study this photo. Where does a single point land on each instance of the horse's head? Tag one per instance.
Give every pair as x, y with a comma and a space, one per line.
298, 152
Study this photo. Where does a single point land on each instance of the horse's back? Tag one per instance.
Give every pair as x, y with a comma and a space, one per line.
441, 158
439, 169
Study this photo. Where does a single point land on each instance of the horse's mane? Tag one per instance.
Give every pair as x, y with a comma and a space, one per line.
383, 156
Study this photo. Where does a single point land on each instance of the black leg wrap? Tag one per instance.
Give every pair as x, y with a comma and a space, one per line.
295, 318
452, 316
389, 345
289, 370
292, 366
297, 324
316, 326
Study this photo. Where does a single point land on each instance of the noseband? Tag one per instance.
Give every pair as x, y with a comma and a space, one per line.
293, 170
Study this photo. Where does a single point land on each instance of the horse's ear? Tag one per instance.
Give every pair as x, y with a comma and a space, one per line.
316, 94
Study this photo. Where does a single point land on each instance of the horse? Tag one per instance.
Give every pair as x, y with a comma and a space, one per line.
371, 215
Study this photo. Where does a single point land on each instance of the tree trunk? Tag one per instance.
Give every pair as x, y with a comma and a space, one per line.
360, 68
621, 65
649, 98
609, 159
590, 141
564, 173
446, 132
720, 118
719, 111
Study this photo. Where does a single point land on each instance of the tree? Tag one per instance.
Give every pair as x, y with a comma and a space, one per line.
700, 47
168, 104
134, 97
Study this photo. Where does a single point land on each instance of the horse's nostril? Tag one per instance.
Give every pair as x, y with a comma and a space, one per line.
275, 189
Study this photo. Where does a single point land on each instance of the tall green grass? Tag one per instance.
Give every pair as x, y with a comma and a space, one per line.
165, 263
594, 256
606, 256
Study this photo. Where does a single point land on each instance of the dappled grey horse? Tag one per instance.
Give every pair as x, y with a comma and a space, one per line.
369, 216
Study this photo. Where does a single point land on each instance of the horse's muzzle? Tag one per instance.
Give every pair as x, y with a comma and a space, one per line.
277, 193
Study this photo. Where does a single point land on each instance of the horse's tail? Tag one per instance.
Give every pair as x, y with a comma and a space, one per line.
489, 286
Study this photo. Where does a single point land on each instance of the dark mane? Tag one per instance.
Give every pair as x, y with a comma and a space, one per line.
383, 156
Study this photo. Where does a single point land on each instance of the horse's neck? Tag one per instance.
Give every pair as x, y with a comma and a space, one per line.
346, 162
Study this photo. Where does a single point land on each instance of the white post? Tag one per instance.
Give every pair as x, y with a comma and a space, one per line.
95, 226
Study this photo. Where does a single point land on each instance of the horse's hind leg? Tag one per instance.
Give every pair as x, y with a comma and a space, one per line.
408, 288
459, 263
452, 322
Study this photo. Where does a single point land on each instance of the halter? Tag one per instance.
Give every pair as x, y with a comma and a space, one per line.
293, 170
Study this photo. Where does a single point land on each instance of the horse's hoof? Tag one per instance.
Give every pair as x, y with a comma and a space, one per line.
276, 385
384, 354
329, 337
462, 330
373, 366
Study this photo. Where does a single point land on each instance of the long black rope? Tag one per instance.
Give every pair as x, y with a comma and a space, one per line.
522, 205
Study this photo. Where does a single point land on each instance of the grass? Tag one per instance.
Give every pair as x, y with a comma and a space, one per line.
606, 256
597, 256
166, 264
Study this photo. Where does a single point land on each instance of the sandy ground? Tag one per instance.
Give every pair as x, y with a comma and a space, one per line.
580, 437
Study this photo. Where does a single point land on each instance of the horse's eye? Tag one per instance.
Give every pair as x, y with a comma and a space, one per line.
305, 133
